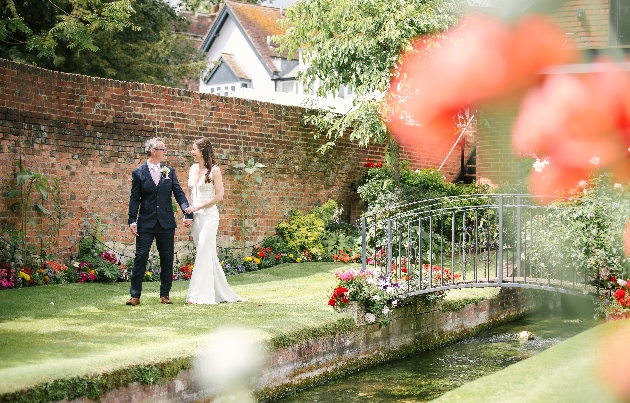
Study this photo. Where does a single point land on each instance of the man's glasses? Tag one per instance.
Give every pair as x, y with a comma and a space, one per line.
160, 149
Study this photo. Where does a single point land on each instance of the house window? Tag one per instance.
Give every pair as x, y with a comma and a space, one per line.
289, 87
619, 32
225, 90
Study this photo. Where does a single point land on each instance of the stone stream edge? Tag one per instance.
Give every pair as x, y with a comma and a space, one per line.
414, 328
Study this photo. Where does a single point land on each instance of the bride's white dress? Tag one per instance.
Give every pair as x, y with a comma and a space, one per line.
208, 284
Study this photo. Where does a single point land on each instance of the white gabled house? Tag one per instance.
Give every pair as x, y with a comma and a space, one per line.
245, 63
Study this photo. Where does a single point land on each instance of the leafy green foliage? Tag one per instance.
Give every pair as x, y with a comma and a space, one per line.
247, 176
584, 233
123, 40
357, 43
302, 232
378, 190
28, 184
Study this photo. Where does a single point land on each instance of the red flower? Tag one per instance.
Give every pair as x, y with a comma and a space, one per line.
332, 302
620, 295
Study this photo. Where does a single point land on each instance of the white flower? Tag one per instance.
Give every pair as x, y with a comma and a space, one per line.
622, 282
618, 186
376, 297
582, 183
395, 302
165, 171
385, 311
540, 165
370, 318
594, 160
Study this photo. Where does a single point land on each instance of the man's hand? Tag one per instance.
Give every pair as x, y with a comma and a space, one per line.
188, 222
134, 229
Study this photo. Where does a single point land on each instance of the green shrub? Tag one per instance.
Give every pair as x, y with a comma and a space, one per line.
303, 232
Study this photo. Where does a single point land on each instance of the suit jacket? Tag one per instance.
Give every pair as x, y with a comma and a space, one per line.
149, 203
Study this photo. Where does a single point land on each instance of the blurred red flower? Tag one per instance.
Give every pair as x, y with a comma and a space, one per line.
480, 60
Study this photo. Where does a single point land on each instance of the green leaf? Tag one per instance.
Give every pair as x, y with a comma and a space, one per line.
42, 190
258, 179
23, 176
250, 170
13, 193
43, 209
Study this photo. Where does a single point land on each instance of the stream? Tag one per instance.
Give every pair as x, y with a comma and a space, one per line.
432, 373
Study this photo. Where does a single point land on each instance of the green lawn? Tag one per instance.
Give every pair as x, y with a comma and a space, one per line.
566, 373
65, 330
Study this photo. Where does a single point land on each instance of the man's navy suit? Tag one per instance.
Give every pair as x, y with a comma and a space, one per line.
150, 207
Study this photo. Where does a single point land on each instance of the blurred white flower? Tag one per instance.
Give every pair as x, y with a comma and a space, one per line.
370, 318
622, 282
594, 160
540, 165
385, 311
618, 185
232, 359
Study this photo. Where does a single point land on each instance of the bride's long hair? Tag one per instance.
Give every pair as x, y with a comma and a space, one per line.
205, 146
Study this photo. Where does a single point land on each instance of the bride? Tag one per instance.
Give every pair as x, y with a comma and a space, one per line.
205, 189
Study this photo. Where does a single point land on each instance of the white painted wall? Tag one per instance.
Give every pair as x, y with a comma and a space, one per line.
231, 40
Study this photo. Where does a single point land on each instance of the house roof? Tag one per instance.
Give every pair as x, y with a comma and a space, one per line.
231, 62
257, 23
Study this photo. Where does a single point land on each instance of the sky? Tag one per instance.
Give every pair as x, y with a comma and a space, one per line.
278, 3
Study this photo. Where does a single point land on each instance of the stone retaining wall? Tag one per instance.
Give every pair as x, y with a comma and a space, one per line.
414, 328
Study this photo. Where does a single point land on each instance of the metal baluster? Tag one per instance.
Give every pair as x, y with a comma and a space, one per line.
363, 244
500, 251
420, 266
452, 249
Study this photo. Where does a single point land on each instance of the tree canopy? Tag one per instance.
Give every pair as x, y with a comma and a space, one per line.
357, 43
131, 40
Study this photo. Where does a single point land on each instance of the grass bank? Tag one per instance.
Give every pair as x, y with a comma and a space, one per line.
68, 330
85, 335
584, 368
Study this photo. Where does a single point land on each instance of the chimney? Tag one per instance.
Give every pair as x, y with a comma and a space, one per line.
281, 12
213, 9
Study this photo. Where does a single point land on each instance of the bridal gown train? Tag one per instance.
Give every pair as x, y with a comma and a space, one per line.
208, 284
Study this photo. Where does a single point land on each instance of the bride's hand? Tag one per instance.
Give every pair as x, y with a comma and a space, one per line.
190, 210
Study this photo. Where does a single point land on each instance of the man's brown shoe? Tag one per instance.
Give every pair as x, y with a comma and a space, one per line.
133, 301
165, 300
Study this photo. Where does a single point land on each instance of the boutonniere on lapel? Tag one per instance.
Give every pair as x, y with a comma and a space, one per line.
164, 171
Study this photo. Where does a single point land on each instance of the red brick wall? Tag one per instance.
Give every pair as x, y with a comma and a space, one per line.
89, 133
590, 32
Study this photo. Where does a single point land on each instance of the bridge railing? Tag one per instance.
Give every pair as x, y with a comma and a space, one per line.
468, 241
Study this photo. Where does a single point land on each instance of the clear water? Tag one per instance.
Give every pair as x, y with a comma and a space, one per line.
432, 373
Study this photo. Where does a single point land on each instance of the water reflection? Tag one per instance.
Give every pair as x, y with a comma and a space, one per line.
433, 373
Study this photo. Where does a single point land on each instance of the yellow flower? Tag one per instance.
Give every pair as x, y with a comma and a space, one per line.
148, 273
248, 259
25, 276
92, 272
256, 260
298, 260
291, 255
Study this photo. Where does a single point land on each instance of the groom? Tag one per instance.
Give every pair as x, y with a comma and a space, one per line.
151, 216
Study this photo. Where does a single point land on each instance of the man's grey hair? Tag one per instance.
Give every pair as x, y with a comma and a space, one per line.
150, 144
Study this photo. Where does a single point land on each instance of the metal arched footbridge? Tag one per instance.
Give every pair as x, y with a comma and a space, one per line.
471, 241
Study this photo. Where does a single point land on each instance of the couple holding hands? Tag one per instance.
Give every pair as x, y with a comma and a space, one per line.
151, 217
